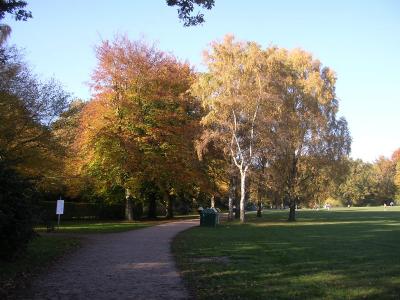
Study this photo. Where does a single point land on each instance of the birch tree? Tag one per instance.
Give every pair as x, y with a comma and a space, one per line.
234, 93
309, 134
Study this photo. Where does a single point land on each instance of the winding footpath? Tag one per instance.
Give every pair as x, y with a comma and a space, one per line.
135, 264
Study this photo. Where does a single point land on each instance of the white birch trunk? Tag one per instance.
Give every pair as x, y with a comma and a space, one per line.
242, 195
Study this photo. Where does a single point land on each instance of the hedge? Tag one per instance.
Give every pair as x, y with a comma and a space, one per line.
76, 210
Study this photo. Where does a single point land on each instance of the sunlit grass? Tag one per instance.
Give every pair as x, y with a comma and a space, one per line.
347, 253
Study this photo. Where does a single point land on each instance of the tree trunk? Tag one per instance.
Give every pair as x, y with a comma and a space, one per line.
152, 212
259, 209
236, 202
242, 195
259, 200
247, 189
137, 210
232, 196
128, 205
292, 210
291, 194
169, 205
212, 201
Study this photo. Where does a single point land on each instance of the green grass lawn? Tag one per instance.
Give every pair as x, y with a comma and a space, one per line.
41, 252
338, 254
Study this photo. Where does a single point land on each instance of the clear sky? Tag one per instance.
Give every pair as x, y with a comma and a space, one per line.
360, 40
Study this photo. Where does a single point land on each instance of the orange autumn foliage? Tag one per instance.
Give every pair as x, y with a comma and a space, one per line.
141, 122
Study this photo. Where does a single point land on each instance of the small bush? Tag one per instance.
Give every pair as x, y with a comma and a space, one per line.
16, 213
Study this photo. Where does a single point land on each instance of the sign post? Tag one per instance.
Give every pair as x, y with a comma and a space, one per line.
59, 209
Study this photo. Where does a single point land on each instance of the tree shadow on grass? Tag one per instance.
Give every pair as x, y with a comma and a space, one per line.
345, 259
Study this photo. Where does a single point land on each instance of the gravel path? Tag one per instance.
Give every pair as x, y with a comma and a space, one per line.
136, 264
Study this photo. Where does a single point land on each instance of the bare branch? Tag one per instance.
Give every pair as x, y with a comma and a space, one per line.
252, 129
233, 154
234, 133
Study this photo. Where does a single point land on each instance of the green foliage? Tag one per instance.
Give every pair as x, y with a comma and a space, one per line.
359, 188
28, 107
15, 8
369, 184
29, 154
186, 7
16, 213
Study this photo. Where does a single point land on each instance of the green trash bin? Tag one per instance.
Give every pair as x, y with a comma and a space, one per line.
209, 217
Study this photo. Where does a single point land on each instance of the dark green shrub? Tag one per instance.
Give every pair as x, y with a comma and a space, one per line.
137, 210
16, 213
78, 210
110, 211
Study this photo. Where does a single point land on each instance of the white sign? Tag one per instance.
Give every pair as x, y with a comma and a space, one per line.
60, 207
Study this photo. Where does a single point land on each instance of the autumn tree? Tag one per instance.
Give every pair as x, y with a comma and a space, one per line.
28, 107
385, 171
359, 187
65, 131
308, 132
235, 92
397, 181
29, 153
216, 165
139, 125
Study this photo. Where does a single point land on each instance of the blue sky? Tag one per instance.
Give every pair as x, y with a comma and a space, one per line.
360, 40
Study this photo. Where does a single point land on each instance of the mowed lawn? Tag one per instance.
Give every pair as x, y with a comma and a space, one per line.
338, 254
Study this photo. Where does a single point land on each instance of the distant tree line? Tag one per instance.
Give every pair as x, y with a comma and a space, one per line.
376, 183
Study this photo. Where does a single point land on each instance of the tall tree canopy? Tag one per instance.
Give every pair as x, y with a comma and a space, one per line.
237, 92
139, 125
309, 134
27, 109
273, 104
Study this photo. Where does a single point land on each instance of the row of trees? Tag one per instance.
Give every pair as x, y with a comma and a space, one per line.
370, 183
38, 128
259, 126
273, 113
264, 118
29, 152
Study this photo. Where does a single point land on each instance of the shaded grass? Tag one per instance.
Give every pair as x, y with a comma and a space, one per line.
96, 226
41, 252
336, 254
90, 226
